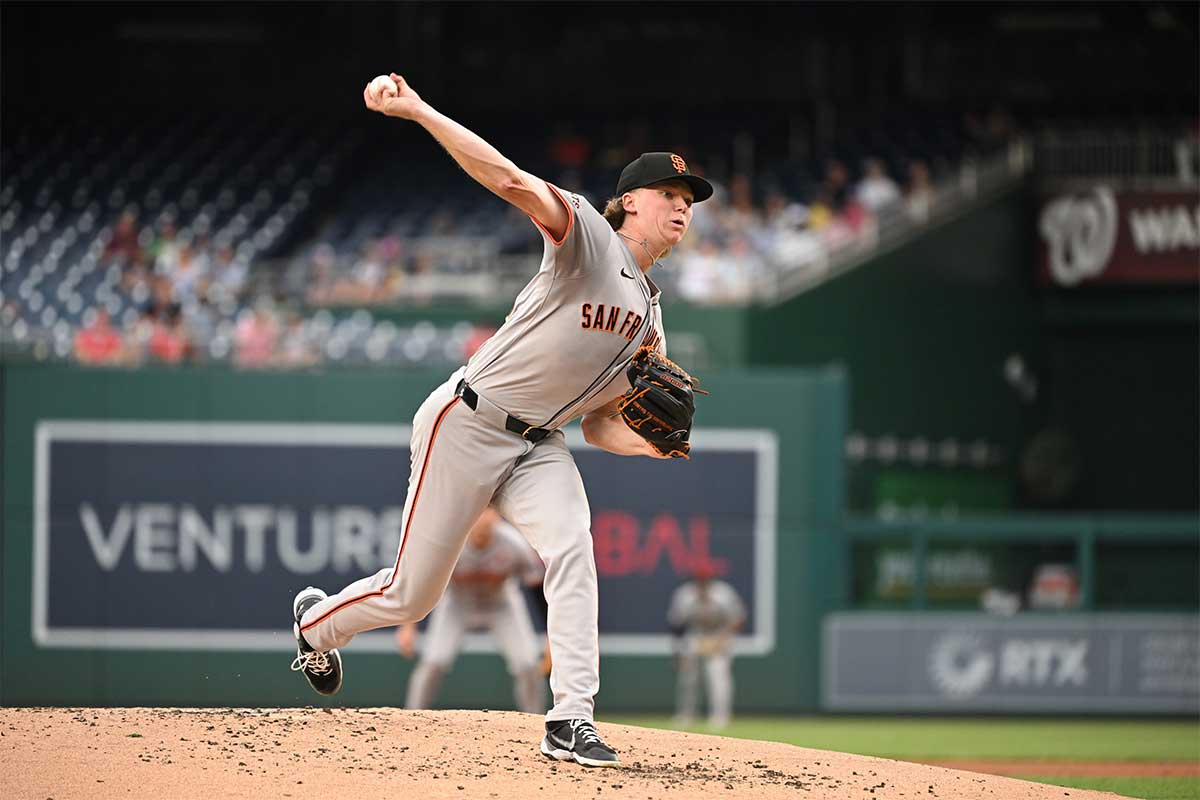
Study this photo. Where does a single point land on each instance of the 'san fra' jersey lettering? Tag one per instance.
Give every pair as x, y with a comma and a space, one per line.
564, 348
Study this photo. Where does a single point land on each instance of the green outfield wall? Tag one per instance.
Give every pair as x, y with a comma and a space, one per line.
923, 329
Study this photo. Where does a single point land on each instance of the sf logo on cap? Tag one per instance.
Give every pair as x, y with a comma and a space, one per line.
679, 164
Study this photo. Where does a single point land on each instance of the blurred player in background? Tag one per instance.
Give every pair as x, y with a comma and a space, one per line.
483, 594
704, 615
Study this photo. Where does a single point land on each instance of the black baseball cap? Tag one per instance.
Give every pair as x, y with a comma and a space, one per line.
651, 168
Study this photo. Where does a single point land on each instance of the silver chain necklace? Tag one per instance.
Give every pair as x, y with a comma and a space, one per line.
654, 262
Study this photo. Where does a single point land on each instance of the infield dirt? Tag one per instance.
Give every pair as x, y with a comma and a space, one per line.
64, 753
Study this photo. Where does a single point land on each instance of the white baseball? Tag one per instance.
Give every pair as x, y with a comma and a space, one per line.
382, 87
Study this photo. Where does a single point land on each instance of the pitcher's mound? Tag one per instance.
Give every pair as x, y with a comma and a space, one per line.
425, 755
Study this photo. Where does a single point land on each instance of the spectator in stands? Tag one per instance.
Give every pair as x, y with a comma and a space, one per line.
322, 275
187, 277
295, 348
368, 281
169, 341
821, 212
166, 249
10, 312
228, 274
783, 213
418, 291
856, 217
829, 221
140, 331
255, 338
700, 278
201, 320
162, 294
568, 148
744, 269
391, 251
793, 244
740, 214
124, 247
876, 190
97, 343
136, 279
836, 187
202, 257
919, 198
373, 278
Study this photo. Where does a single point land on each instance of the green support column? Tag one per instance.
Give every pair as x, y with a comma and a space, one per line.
1085, 557
920, 573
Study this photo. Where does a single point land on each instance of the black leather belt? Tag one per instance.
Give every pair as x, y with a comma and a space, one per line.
471, 398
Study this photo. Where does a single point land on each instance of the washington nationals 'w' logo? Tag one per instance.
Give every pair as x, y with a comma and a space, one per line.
1080, 234
679, 164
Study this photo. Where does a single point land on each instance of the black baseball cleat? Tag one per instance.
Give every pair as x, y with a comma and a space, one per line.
576, 740
323, 670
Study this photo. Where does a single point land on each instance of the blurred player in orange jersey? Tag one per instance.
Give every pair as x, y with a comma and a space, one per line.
483, 595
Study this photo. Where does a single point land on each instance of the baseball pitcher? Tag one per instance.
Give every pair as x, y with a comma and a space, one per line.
584, 340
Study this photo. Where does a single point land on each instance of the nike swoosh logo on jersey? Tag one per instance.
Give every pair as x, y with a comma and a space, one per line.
625, 274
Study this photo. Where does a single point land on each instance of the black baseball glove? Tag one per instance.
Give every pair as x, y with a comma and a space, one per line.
660, 403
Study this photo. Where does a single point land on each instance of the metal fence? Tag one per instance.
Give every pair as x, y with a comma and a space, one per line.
1115, 154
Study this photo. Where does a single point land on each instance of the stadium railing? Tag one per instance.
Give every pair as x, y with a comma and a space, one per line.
974, 182
1144, 155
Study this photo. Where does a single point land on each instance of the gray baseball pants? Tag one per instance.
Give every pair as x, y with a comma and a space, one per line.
461, 461
718, 674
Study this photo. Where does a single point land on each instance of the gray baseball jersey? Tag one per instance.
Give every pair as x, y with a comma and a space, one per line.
561, 353
588, 283
713, 610
481, 571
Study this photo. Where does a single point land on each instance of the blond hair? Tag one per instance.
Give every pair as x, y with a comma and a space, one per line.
614, 212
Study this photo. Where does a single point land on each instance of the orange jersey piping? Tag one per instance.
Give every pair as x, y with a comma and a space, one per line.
570, 218
412, 513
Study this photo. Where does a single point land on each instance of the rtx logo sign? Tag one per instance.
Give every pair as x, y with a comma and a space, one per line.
965, 664
1051, 663
959, 661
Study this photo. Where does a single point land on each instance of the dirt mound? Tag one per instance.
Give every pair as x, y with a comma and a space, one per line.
66, 753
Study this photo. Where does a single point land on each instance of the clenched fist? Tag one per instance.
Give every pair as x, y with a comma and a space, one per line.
403, 102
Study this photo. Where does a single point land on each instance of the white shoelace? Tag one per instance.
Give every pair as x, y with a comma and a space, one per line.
586, 731
314, 663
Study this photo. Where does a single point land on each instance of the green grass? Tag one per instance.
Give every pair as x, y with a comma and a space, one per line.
945, 738
935, 738
1146, 788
